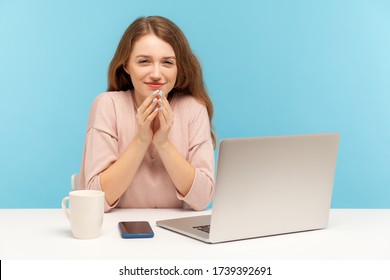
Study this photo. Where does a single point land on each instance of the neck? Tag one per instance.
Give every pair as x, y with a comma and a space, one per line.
137, 100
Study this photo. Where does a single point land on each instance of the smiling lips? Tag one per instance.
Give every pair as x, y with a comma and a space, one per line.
155, 85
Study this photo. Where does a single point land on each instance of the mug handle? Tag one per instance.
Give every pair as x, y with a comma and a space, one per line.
64, 207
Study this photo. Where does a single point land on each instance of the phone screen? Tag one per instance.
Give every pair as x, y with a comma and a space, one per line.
135, 229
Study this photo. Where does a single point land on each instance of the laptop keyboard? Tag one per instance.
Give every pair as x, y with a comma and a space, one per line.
205, 228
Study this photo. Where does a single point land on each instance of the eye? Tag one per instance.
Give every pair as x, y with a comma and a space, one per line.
143, 61
169, 62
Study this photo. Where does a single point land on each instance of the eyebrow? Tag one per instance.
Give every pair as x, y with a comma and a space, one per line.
148, 56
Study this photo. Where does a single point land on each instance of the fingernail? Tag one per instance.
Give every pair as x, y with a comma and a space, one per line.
155, 92
160, 101
154, 100
161, 109
161, 93
155, 110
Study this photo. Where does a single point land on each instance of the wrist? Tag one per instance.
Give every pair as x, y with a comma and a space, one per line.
162, 145
141, 143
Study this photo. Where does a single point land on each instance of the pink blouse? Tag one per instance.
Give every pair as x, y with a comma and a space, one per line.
111, 127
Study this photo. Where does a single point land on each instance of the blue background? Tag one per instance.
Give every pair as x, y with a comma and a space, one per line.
271, 67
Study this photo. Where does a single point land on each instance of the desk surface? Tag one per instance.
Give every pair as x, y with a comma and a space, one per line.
45, 234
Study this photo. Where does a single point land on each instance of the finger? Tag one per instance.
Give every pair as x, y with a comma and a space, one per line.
167, 107
163, 102
166, 115
146, 123
153, 105
143, 111
162, 118
148, 100
151, 116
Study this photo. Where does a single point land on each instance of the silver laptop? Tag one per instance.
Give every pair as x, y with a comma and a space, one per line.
267, 186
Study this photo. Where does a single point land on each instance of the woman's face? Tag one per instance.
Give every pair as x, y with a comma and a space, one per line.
151, 66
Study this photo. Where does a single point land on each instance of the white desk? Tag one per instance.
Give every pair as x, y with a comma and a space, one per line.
45, 234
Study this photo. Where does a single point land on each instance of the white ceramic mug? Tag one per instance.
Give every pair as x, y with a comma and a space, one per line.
85, 213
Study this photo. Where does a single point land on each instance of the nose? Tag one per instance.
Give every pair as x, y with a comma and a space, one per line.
156, 72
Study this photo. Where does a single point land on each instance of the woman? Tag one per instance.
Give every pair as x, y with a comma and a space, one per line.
150, 141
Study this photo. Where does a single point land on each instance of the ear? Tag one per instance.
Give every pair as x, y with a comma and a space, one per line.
126, 68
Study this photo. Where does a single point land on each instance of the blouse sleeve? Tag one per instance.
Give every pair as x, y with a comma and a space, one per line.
101, 144
201, 157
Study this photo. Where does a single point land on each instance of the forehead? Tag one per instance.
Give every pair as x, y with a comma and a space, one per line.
151, 45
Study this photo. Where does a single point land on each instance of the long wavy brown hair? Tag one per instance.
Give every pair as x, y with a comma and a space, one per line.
189, 78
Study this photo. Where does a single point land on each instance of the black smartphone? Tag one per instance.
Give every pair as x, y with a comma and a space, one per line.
136, 229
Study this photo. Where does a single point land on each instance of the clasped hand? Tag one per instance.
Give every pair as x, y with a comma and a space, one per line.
155, 119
